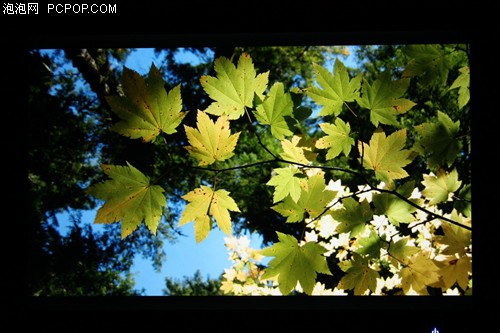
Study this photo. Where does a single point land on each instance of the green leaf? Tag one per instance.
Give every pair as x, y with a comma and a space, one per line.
383, 99
420, 272
359, 276
456, 239
286, 183
400, 252
130, 198
314, 198
211, 141
463, 202
386, 156
147, 109
396, 210
296, 150
337, 139
370, 245
336, 88
438, 187
273, 110
233, 88
352, 216
203, 203
438, 140
293, 263
462, 82
430, 62
290, 209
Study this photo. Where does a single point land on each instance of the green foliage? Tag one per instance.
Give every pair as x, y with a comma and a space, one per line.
462, 82
146, 110
438, 140
383, 99
389, 238
130, 198
336, 89
276, 108
337, 140
430, 62
439, 187
192, 286
352, 217
286, 182
359, 276
294, 263
386, 155
234, 87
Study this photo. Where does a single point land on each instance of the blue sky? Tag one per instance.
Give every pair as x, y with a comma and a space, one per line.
185, 256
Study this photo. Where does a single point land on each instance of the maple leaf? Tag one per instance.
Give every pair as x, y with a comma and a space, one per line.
400, 252
313, 200
420, 272
370, 245
359, 276
462, 82
455, 270
290, 209
463, 203
352, 216
386, 156
293, 263
297, 150
396, 210
211, 141
276, 106
439, 186
315, 196
429, 61
205, 203
337, 139
233, 88
130, 198
456, 239
147, 109
286, 183
336, 89
438, 140
383, 100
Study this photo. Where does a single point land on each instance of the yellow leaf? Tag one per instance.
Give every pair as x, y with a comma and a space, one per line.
211, 141
203, 203
420, 273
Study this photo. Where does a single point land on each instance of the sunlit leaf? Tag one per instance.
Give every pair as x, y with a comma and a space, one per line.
386, 155
146, 110
130, 198
359, 276
439, 186
337, 140
383, 99
353, 216
204, 203
335, 89
211, 141
234, 87
273, 110
438, 140
293, 263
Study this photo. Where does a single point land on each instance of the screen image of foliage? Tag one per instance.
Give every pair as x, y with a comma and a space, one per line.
357, 178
